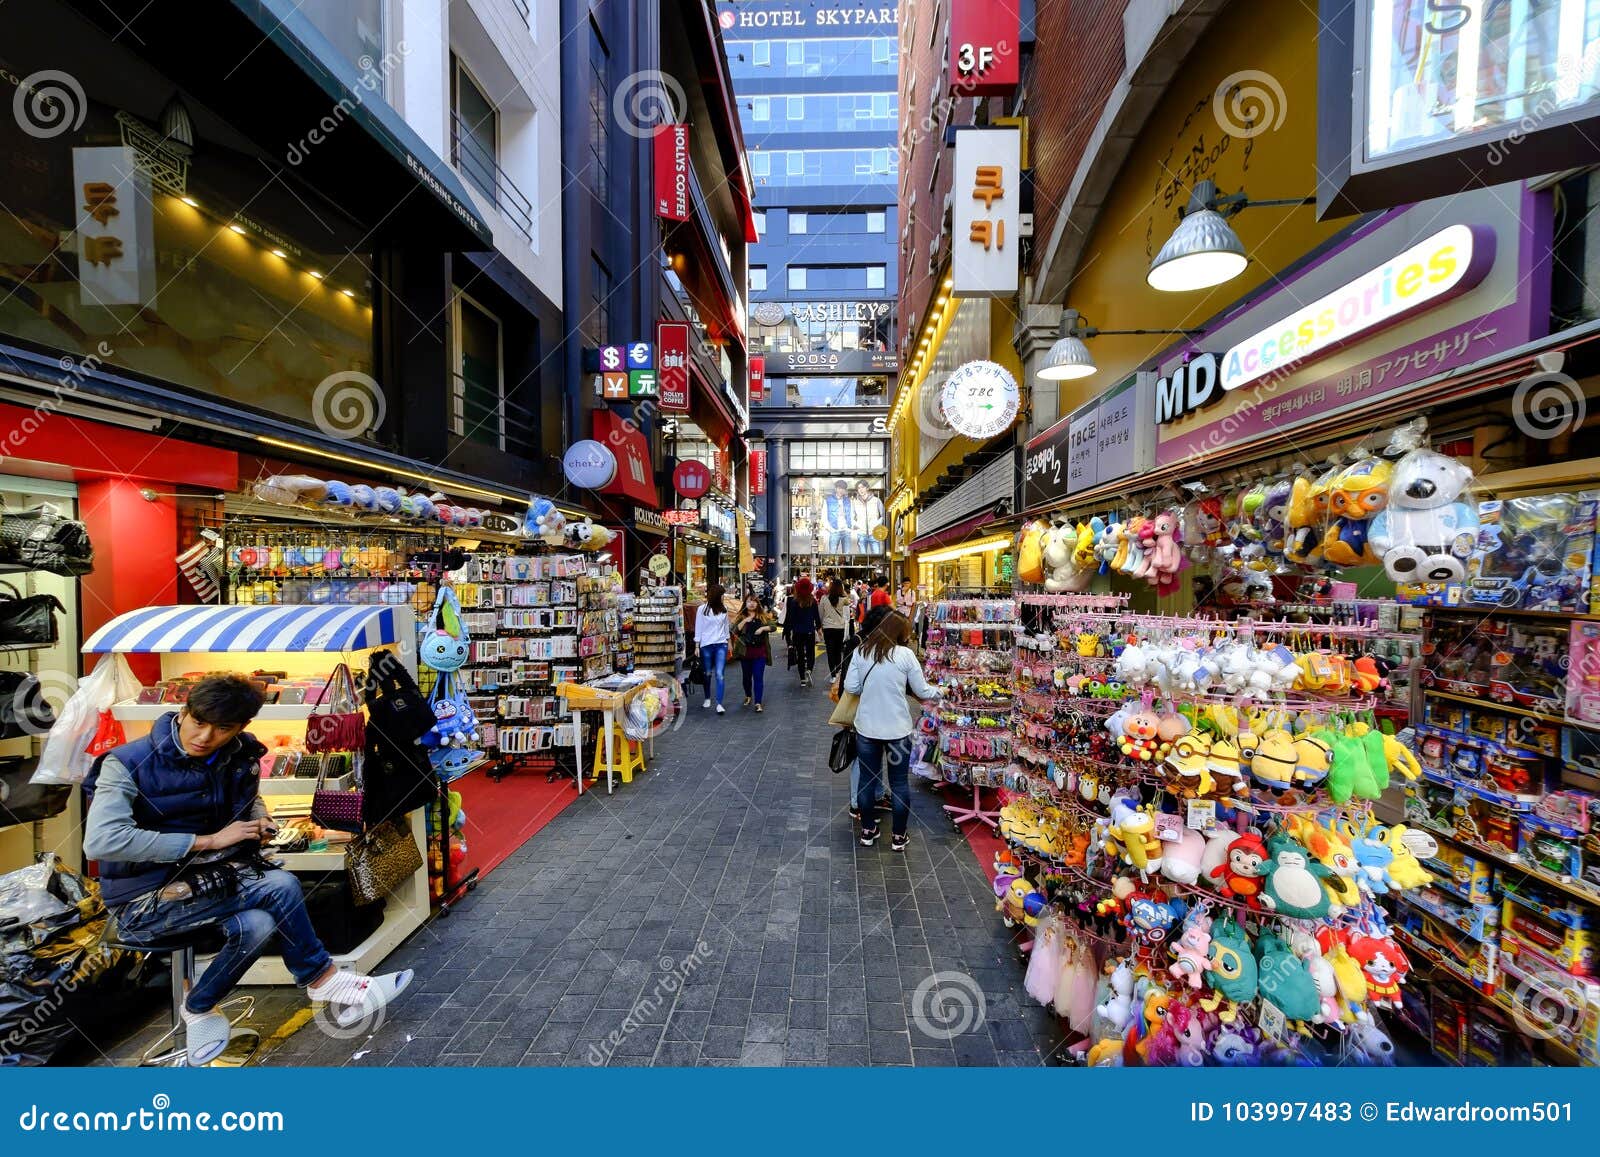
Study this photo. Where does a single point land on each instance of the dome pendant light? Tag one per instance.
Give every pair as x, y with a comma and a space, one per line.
1203, 250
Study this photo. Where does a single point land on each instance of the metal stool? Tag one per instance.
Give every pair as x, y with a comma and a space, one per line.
181, 948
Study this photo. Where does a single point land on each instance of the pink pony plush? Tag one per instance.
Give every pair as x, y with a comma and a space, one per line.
1193, 951
1182, 1039
1166, 558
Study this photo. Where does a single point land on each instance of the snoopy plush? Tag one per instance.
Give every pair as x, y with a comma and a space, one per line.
1428, 531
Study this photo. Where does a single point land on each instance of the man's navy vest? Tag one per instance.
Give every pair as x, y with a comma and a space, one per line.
177, 793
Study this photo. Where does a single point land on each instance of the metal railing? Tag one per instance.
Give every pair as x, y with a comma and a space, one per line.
503, 424
480, 167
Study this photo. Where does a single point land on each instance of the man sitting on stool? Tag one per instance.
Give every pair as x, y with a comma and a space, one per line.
175, 824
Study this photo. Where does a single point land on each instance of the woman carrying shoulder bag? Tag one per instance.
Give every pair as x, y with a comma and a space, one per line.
834, 610
883, 671
752, 632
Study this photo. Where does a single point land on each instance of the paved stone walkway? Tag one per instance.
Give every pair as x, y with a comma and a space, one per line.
718, 911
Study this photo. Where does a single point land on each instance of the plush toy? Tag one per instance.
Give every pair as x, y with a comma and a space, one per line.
1150, 917
336, 493
1350, 773
1030, 552
1218, 841
1294, 884
1182, 1038
1428, 531
1275, 521
1307, 515
1117, 1009
1370, 1045
1166, 558
1405, 870
1204, 526
1083, 556
1347, 972
1021, 904
1139, 732
1236, 1046
1134, 833
1059, 543
1192, 951
1385, 967
1357, 495
1275, 760
1232, 971
290, 489
443, 644
1285, 980
425, 511
1242, 874
1334, 853
1373, 858
588, 535
1313, 758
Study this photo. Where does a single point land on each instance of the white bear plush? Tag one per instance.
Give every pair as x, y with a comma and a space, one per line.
1059, 542
1428, 531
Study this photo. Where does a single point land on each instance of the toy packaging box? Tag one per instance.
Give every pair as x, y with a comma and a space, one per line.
1583, 672
1535, 553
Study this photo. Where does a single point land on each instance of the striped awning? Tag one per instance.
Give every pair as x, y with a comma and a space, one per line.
156, 630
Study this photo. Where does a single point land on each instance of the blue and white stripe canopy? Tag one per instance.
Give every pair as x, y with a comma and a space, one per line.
156, 630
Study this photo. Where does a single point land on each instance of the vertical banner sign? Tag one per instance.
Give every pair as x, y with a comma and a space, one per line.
672, 172
984, 54
758, 379
986, 206
758, 472
115, 228
672, 345
1082, 472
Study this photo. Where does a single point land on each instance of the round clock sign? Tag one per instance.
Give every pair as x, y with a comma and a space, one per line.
980, 400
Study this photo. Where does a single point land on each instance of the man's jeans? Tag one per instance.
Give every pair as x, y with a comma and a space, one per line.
876, 759
268, 902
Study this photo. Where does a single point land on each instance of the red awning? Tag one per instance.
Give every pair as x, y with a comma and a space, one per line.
951, 535
636, 476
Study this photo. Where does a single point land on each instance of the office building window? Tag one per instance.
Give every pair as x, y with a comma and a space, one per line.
796, 108
760, 216
797, 223
796, 163
840, 58
758, 278
597, 323
478, 403
828, 166
761, 109
797, 277
761, 53
875, 222
760, 164
875, 277
599, 114
476, 134
837, 276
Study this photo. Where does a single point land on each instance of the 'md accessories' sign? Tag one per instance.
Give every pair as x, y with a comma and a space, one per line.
672, 172
1433, 270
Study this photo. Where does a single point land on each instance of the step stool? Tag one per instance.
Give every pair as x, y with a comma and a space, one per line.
628, 753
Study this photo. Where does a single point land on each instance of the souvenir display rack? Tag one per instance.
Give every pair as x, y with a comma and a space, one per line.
658, 629
1194, 796
969, 650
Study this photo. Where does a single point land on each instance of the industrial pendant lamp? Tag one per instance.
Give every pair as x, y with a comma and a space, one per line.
1204, 250
1070, 358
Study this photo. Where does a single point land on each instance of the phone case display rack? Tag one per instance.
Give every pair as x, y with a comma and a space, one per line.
1192, 841
968, 656
269, 564
535, 621
658, 629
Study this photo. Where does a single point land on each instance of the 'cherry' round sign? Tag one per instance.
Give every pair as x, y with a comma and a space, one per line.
692, 478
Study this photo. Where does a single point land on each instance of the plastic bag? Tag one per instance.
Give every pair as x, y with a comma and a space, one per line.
66, 758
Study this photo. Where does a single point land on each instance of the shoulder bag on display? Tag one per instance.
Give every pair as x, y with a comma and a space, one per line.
336, 809
341, 727
45, 539
380, 861
23, 708
396, 708
28, 619
395, 779
22, 801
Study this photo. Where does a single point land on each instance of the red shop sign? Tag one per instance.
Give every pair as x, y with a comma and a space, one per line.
672, 172
758, 471
672, 339
985, 53
758, 379
681, 517
692, 478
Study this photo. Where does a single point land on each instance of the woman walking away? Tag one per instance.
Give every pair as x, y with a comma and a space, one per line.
800, 625
834, 611
874, 617
711, 636
883, 671
752, 629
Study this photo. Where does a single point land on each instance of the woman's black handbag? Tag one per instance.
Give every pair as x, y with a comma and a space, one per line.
396, 708
22, 802
28, 619
23, 708
842, 751
45, 539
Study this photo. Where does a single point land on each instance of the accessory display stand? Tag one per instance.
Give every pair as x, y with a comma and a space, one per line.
969, 656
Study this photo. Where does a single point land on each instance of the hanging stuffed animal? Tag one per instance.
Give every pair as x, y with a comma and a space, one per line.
1285, 980
1428, 530
1294, 883
1308, 518
588, 535
1357, 495
443, 644
1030, 552
1058, 544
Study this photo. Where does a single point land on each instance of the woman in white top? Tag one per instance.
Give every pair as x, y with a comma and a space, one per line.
711, 636
835, 611
883, 671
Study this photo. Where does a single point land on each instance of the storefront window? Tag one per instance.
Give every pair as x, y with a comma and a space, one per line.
1439, 71
186, 278
830, 391
813, 326
837, 517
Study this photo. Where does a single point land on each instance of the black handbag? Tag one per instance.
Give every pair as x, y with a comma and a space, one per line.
23, 708
28, 619
22, 802
43, 538
396, 708
395, 780
842, 750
